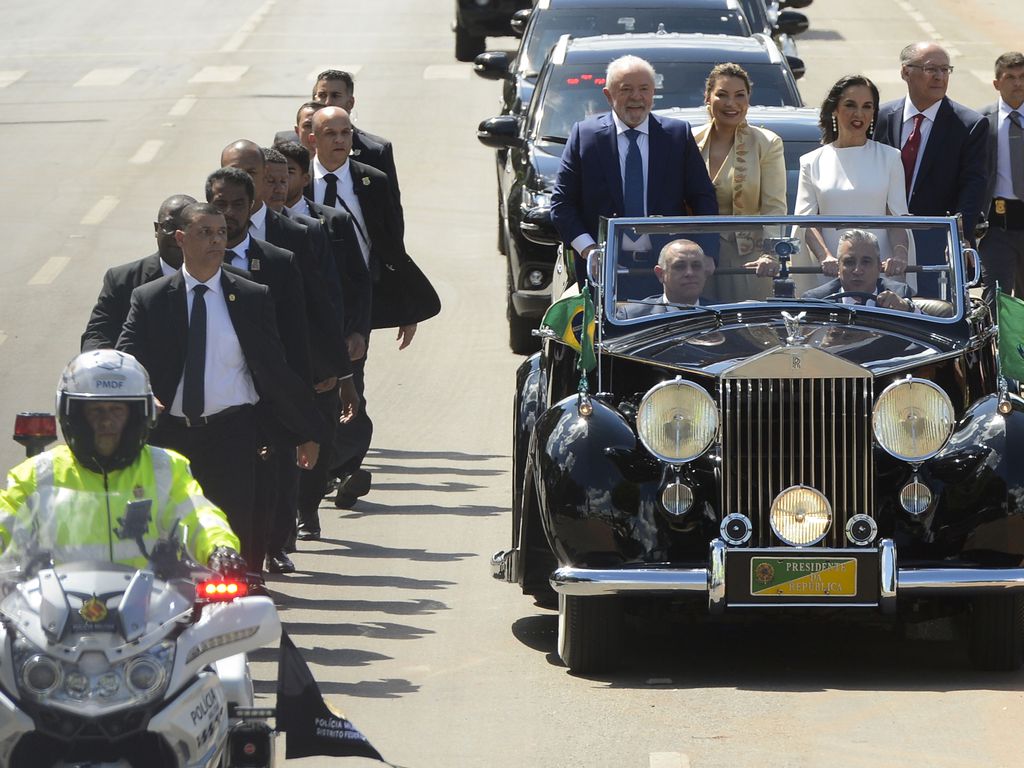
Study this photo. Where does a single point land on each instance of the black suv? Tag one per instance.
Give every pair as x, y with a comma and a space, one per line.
476, 20
568, 90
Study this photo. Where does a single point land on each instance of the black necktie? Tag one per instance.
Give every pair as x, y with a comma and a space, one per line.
192, 397
331, 193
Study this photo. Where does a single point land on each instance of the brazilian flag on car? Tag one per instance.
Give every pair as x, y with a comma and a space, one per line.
1011, 336
567, 315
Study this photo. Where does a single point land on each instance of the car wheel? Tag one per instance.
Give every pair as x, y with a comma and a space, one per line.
467, 46
997, 632
589, 632
520, 329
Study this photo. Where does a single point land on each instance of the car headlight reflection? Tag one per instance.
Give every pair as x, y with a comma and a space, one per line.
677, 421
913, 419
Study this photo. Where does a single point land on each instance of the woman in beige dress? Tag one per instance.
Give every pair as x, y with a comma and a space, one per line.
748, 169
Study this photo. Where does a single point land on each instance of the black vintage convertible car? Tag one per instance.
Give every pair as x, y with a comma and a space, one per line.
791, 444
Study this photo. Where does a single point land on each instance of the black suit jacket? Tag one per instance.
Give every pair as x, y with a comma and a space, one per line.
884, 284
953, 176
156, 333
991, 113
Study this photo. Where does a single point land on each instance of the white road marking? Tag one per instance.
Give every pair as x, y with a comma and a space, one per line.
49, 271
238, 39
100, 210
8, 76
106, 76
669, 760
219, 74
927, 27
146, 152
447, 72
182, 106
352, 69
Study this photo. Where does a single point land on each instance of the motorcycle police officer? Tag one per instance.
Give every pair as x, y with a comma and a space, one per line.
106, 408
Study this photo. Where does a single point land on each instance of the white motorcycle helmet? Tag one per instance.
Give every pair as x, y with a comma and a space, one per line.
109, 376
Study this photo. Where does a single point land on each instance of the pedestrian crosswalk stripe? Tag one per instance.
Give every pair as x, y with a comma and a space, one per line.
106, 76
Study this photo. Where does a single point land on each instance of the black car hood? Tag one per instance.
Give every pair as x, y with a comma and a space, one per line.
713, 350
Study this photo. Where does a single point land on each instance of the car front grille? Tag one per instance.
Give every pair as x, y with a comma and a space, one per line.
781, 432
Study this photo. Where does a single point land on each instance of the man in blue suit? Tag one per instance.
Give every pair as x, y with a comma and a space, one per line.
628, 163
944, 147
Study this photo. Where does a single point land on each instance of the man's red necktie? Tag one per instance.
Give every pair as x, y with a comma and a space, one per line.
910, 150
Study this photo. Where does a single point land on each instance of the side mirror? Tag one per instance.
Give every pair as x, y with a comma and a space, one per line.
796, 65
492, 65
519, 21
794, 3
538, 228
972, 268
500, 132
792, 23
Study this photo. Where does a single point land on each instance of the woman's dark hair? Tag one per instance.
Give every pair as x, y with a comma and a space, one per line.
727, 69
831, 102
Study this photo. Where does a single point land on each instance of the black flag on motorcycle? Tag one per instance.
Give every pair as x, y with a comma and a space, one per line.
310, 725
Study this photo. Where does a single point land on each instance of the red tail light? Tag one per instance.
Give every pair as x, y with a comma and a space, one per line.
35, 425
221, 589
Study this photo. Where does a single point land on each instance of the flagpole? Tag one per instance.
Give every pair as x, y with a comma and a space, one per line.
1003, 404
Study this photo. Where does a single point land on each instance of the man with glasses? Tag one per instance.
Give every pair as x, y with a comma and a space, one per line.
944, 148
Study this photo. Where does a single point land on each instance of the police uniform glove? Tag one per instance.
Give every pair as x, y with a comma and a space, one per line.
228, 563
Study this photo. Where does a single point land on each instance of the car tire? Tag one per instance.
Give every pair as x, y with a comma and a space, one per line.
589, 632
520, 329
997, 632
467, 46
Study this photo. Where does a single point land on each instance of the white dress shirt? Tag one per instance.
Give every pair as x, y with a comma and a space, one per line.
909, 110
227, 381
346, 192
258, 223
240, 259
166, 269
301, 208
1004, 181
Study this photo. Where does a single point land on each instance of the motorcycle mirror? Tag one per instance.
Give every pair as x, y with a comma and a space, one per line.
35, 431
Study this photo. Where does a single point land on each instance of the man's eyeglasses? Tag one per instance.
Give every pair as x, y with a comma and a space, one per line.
166, 227
932, 71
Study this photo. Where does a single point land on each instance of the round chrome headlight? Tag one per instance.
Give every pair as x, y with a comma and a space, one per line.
800, 516
144, 675
677, 498
913, 419
41, 674
677, 421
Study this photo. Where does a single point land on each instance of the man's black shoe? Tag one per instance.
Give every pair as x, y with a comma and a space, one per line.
279, 562
310, 535
352, 487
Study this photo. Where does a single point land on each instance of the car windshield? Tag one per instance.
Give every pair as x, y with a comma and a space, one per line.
574, 92
548, 26
658, 266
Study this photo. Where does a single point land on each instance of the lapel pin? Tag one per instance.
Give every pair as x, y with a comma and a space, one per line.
366, 181
231, 297
355, 152
254, 265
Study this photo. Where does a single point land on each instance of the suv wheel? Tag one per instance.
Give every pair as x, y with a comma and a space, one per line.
997, 632
467, 46
589, 632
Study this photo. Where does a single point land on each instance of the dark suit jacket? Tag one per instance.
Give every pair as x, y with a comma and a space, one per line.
328, 355
884, 284
953, 176
352, 270
156, 333
991, 113
589, 183
372, 150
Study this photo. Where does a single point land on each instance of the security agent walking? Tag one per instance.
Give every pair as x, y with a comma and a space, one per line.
106, 408
1002, 248
210, 344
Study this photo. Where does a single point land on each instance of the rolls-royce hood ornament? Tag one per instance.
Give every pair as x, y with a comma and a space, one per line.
793, 334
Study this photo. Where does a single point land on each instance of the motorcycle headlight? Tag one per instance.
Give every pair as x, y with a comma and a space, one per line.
144, 675
913, 419
677, 421
40, 674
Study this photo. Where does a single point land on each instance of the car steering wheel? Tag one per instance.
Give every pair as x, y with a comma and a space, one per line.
863, 295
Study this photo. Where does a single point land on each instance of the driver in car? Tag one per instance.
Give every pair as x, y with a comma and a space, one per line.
106, 407
682, 270
860, 266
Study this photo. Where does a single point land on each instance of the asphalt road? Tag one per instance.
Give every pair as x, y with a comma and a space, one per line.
108, 107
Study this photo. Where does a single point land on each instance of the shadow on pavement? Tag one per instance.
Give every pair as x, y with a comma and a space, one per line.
446, 455
366, 508
376, 629
360, 549
325, 657
393, 607
365, 689
322, 579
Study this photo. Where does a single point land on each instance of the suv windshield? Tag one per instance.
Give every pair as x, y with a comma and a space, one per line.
574, 92
548, 26
657, 268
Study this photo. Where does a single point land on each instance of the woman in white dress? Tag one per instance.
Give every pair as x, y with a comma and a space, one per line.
853, 175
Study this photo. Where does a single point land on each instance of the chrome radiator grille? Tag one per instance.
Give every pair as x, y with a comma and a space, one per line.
777, 433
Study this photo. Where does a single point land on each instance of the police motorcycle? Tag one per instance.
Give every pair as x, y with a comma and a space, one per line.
108, 666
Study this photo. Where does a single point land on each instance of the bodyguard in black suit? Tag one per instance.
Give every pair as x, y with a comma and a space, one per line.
944, 150
111, 309
1002, 248
212, 355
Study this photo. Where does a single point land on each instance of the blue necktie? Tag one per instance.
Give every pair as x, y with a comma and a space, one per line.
192, 392
633, 186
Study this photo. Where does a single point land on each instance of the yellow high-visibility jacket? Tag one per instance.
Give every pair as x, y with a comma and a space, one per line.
53, 504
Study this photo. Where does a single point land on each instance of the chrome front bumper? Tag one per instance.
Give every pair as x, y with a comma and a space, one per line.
710, 582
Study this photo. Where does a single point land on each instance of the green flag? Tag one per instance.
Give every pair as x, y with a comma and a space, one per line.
1011, 336
560, 318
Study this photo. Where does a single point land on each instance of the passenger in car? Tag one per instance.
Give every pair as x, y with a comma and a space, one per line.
682, 270
860, 267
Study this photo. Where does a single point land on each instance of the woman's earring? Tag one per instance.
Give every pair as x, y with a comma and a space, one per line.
871, 128
835, 124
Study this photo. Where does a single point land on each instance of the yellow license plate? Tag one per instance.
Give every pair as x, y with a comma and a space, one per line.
803, 576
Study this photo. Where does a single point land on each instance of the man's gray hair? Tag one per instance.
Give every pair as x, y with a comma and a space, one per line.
854, 236
912, 51
624, 64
